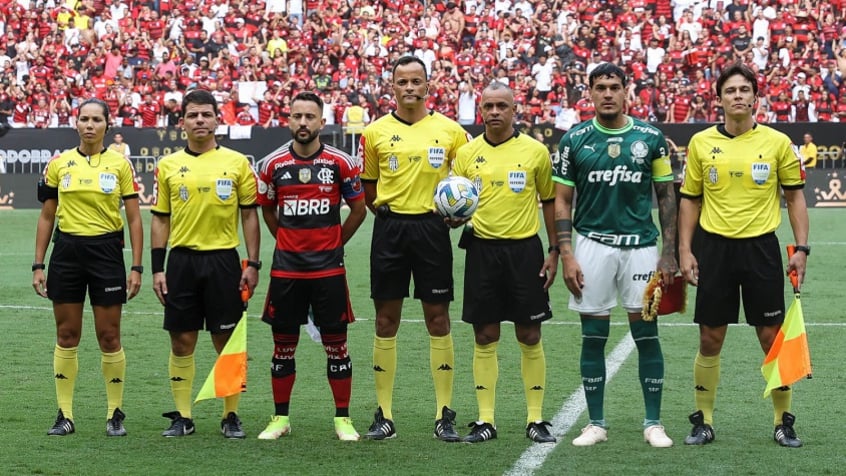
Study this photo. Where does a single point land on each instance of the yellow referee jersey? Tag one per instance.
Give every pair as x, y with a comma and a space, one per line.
89, 190
202, 195
738, 179
510, 177
408, 160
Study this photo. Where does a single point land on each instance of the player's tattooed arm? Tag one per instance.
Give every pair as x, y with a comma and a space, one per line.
564, 233
668, 216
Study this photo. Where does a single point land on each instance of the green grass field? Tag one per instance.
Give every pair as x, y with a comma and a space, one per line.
743, 423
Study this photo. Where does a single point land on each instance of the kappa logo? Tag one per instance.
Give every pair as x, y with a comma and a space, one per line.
177, 379
396, 138
700, 388
444, 367
481, 160
716, 150
71, 163
61, 377
184, 169
536, 387
481, 387
116, 380
376, 368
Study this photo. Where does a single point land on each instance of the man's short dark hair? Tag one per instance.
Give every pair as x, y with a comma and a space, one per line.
607, 70
199, 96
408, 59
308, 96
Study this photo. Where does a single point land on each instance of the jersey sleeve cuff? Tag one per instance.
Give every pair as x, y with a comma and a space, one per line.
127, 197
160, 213
664, 178
793, 187
563, 181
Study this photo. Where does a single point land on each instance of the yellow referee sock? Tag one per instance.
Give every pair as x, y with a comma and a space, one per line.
65, 369
706, 377
442, 362
230, 404
485, 375
181, 371
782, 399
113, 366
385, 370
533, 368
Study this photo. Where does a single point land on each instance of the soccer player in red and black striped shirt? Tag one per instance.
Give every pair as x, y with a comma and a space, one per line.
301, 188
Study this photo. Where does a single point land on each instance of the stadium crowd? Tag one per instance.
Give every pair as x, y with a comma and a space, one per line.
141, 56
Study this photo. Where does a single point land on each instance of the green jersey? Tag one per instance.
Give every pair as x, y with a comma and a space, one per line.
612, 171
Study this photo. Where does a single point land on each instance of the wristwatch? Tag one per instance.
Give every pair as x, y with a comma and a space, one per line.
139, 269
803, 249
553, 248
36, 266
254, 264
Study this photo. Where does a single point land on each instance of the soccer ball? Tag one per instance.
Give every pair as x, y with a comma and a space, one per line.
456, 197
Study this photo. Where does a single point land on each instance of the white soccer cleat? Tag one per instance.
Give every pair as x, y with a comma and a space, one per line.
657, 437
591, 435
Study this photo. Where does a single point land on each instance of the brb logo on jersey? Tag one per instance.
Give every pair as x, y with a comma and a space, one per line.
304, 207
621, 173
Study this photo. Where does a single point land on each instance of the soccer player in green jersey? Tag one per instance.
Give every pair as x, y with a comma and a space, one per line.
201, 192
511, 170
614, 162
733, 180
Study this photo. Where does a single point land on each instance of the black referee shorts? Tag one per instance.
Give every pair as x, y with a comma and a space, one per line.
203, 287
501, 282
288, 302
411, 245
731, 268
94, 263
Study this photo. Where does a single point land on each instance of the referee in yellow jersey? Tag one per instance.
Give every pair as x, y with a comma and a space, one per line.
405, 154
732, 187
506, 271
83, 189
200, 193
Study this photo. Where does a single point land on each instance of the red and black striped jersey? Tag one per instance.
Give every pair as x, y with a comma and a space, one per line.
307, 193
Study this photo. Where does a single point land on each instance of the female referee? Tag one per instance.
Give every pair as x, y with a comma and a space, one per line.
83, 189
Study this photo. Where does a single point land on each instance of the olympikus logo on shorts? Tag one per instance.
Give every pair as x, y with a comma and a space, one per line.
112, 289
621, 173
537, 316
440, 291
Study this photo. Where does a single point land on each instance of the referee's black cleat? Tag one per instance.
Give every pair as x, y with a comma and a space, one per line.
179, 425
480, 432
538, 431
114, 425
702, 433
231, 427
382, 428
62, 427
445, 426
784, 434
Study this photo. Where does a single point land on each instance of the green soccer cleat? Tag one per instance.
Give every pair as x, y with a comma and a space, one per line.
345, 430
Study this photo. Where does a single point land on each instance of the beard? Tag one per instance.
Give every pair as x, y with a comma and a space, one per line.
312, 135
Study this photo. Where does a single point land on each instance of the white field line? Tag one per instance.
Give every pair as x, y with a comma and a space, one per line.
535, 455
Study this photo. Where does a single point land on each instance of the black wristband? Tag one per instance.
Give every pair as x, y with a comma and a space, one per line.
553, 248
36, 266
138, 269
157, 259
254, 264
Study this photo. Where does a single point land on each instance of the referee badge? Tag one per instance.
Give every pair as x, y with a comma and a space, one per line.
393, 163
224, 188
183, 193
517, 180
614, 150
436, 156
66, 180
760, 172
108, 182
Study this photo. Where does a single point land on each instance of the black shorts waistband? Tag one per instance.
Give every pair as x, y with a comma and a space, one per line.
505, 241
104, 237
189, 251
382, 213
718, 237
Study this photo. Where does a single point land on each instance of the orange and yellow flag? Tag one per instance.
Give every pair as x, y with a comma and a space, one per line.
789, 358
229, 375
